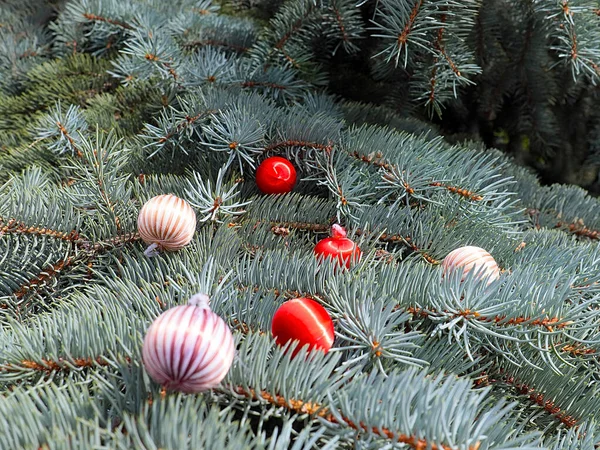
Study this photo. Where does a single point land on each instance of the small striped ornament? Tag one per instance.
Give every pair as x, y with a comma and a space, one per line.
166, 222
188, 348
472, 259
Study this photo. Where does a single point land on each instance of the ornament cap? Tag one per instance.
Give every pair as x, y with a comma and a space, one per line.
152, 250
338, 232
200, 300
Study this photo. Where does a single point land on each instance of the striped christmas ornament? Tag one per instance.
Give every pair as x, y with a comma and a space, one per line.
166, 222
303, 320
188, 348
472, 259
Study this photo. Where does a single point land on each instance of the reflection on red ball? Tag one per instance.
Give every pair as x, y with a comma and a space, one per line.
275, 175
338, 246
304, 320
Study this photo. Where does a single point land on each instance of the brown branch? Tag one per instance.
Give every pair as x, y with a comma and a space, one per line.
469, 195
97, 18
42, 279
247, 329
440, 46
28, 54
567, 12
292, 61
154, 58
579, 229
288, 293
189, 120
539, 399
378, 161
90, 251
433, 81
15, 227
201, 11
297, 25
48, 366
264, 84
576, 228
280, 231
117, 241
408, 242
301, 407
281, 42
550, 323
403, 37
66, 134
103, 194
295, 143
578, 350
574, 53
338, 18
303, 226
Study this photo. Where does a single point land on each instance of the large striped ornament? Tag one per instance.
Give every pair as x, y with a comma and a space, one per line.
472, 259
188, 348
167, 222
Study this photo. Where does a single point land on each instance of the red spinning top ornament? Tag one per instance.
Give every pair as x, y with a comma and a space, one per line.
275, 175
338, 246
303, 320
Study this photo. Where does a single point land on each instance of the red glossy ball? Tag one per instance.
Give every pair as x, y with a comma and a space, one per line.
275, 175
304, 320
338, 246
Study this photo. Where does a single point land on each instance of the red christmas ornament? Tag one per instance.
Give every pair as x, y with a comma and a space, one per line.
275, 175
338, 246
304, 320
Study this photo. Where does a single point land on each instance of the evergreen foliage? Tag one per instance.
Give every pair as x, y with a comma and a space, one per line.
114, 102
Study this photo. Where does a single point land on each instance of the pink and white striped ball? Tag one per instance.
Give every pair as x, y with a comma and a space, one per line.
472, 259
167, 222
188, 348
